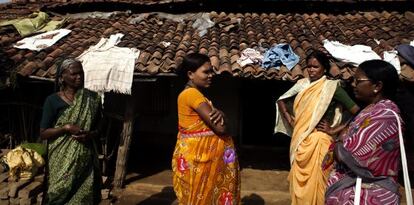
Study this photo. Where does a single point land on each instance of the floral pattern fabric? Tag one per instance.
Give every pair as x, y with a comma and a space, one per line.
205, 166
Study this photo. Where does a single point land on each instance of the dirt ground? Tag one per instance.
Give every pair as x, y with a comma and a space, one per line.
264, 180
149, 182
258, 187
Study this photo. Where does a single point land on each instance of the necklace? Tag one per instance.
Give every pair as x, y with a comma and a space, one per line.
69, 100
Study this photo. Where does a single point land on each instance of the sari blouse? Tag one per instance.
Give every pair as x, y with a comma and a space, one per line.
188, 102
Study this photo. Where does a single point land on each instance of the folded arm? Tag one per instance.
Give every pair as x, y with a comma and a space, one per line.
213, 118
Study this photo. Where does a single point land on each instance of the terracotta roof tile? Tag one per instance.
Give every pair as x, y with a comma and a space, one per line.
232, 33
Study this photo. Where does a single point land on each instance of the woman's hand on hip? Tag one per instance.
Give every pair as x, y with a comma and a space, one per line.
325, 127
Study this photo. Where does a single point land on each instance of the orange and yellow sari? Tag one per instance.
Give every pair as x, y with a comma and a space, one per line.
309, 146
205, 166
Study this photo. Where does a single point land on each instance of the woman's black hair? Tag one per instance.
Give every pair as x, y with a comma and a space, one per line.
322, 59
381, 71
191, 62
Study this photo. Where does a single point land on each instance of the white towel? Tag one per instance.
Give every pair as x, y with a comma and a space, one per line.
108, 67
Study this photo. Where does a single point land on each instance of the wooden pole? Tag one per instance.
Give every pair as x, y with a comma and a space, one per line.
124, 144
105, 147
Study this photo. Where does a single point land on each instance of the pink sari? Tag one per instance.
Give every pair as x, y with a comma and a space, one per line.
370, 149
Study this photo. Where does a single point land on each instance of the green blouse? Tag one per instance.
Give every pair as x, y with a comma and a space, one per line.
342, 97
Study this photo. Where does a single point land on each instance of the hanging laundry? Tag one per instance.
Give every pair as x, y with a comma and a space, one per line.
250, 56
41, 41
108, 67
38, 22
278, 55
392, 57
354, 55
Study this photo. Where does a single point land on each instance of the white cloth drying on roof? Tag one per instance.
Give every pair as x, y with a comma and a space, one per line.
108, 67
250, 56
41, 41
392, 57
355, 54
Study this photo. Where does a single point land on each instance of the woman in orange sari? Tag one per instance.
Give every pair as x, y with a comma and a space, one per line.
315, 106
205, 165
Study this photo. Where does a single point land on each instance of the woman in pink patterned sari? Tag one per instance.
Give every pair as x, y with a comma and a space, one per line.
370, 146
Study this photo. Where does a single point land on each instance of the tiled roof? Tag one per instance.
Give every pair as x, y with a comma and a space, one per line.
224, 42
175, 1
98, 1
59, 3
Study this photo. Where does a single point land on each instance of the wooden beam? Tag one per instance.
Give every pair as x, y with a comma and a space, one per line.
124, 144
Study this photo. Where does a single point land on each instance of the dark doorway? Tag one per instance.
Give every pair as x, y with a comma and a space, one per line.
260, 148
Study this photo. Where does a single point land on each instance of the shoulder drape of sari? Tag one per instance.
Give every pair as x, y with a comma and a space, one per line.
205, 167
309, 107
281, 125
308, 146
74, 176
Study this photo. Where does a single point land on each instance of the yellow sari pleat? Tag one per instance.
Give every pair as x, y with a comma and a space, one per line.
206, 178
307, 179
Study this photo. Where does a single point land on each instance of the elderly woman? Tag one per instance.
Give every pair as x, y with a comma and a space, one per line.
69, 117
370, 146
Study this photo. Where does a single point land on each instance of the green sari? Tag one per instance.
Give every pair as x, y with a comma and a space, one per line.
74, 176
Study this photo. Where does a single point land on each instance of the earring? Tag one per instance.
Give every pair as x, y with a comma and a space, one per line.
375, 91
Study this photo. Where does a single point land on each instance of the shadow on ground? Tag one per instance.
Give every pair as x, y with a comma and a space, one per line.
253, 199
165, 197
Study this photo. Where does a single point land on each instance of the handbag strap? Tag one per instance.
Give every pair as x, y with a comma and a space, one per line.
407, 185
358, 191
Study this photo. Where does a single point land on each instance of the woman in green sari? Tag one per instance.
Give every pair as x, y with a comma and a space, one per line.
69, 117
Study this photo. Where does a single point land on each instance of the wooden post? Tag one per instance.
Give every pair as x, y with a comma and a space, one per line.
124, 144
